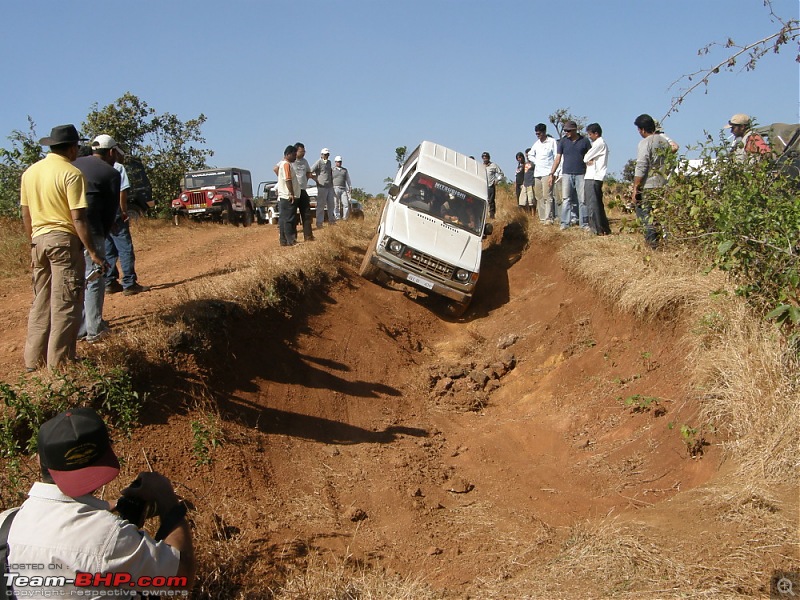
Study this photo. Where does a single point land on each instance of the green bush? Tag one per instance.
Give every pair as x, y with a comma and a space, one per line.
745, 218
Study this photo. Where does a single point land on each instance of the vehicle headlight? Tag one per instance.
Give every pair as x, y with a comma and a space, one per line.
394, 247
184, 197
210, 195
463, 275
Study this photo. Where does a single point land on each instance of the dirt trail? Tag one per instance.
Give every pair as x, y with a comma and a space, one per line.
345, 430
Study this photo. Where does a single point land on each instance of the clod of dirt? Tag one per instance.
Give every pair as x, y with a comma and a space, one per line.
507, 340
356, 514
416, 493
459, 485
434, 551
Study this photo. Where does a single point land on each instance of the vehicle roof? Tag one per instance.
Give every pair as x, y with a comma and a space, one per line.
212, 169
452, 167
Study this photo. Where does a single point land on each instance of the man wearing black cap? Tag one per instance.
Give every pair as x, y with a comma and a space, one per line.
62, 529
53, 200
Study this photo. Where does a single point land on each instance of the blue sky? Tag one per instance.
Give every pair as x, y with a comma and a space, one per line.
363, 77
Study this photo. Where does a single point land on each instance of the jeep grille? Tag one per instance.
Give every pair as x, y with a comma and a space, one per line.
197, 198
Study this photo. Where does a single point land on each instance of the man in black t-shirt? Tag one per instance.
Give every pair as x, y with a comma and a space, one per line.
102, 197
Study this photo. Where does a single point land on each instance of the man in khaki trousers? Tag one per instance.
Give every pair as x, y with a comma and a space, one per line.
53, 201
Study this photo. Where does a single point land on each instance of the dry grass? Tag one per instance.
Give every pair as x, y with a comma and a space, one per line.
15, 256
745, 375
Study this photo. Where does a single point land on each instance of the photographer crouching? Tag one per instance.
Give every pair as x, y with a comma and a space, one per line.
63, 539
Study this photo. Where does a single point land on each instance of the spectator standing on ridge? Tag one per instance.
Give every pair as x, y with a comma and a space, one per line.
288, 194
325, 198
342, 188
119, 244
62, 529
572, 148
53, 202
102, 199
519, 174
543, 154
648, 174
494, 175
303, 170
526, 197
596, 160
745, 140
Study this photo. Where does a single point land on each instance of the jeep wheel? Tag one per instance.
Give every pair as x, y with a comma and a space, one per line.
457, 309
247, 216
227, 216
178, 219
272, 216
369, 271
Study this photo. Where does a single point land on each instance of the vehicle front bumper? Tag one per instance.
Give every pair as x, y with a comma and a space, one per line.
400, 272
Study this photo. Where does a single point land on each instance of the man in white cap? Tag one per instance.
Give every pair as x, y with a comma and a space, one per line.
325, 197
341, 189
745, 140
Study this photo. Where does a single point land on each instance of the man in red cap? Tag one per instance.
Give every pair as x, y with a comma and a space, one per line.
62, 529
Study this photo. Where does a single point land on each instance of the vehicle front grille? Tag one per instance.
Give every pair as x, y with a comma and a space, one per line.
430, 264
197, 198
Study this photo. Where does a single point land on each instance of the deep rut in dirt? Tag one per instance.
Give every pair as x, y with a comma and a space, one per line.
369, 429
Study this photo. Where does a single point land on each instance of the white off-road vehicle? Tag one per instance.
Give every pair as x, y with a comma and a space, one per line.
432, 226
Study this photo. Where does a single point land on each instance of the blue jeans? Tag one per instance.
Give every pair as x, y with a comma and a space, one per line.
119, 245
573, 206
643, 210
94, 295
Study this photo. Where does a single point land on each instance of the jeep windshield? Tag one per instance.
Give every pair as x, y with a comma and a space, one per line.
207, 179
443, 201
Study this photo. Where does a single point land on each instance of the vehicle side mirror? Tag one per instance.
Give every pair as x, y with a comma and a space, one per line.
394, 190
488, 228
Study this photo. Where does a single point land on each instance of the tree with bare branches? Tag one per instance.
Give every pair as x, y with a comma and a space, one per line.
788, 32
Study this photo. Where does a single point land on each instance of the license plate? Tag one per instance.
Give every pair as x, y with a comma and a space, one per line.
420, 281
196, 210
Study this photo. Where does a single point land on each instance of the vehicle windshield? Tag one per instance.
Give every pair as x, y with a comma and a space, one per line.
445, 202
215, 179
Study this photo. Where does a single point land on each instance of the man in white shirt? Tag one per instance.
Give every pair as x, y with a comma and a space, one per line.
596, 160
542, 154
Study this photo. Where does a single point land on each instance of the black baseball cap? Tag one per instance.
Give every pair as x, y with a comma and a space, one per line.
75, 448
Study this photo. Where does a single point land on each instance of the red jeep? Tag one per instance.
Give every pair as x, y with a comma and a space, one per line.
224, 195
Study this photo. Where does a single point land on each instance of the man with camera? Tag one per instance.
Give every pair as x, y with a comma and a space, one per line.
102, 198
62, 529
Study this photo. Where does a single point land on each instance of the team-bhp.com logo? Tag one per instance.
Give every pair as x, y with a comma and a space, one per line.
99, 581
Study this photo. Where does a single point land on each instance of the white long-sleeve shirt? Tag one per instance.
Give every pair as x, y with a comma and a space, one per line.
599, 154
543, 155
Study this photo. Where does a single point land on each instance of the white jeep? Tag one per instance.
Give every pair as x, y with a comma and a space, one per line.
432, 226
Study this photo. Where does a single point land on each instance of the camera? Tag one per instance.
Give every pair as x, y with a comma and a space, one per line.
95, 273
135, 510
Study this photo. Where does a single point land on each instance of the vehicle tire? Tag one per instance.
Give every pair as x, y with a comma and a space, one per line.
227, 216
247, 216
178, 219
272, 216
260, 216
457, 309
369, 271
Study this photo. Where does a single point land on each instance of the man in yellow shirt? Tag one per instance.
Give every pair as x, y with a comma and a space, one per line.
53, 200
